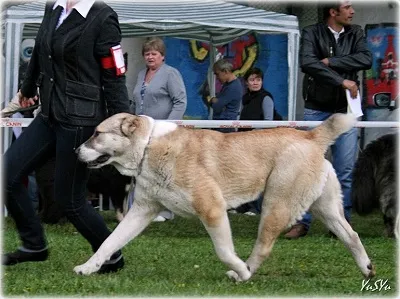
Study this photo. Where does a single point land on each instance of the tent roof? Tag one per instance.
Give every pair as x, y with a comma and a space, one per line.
204, 20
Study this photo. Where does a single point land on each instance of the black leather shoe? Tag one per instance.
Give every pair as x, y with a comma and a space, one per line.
115, 264
20, 256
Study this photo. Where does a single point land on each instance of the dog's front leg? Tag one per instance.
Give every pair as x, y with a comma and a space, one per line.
137, 219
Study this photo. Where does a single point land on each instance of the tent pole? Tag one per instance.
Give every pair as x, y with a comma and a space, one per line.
211, 76
13, 35
293, 47
296, 70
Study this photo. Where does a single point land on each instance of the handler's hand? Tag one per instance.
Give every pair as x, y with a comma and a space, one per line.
352, 86
325, 61
26, 102
213, 100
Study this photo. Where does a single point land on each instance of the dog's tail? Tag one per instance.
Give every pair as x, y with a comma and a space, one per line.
326, 133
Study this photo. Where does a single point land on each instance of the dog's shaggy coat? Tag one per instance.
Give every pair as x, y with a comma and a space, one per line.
374, 182
204, 173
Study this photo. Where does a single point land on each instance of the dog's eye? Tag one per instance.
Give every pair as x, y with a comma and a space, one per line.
96, 133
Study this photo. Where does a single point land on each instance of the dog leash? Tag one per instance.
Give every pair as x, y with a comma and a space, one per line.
24, 109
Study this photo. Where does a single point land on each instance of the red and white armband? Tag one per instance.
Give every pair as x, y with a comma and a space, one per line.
115, 60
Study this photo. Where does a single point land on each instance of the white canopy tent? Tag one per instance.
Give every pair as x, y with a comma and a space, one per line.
214, 21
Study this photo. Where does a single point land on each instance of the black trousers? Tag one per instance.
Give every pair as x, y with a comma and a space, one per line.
35, 146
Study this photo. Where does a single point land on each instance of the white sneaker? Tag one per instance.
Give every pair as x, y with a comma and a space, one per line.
248, 213
159, 219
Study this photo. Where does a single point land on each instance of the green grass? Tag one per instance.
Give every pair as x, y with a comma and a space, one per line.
176, 258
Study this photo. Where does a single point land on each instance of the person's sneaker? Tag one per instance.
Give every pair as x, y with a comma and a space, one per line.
249, 213
159, 218
20, 256
115, 263
297, 231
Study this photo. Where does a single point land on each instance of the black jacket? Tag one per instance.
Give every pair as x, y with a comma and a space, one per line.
322, 85
252, 105
66, 65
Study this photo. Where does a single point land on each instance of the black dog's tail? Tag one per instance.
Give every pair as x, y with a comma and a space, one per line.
369, 171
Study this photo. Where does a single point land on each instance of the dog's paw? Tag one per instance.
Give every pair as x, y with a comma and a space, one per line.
86, 269
236, 277
233, 276
371, 272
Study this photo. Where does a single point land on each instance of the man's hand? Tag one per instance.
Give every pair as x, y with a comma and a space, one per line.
352, 86
325, 61
26, 102
212, 100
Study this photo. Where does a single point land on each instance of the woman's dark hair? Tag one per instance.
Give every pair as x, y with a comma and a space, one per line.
254, 71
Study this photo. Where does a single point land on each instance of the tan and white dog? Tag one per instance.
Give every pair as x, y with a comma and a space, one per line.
204, 173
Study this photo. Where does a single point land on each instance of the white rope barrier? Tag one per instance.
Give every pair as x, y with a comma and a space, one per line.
240, 124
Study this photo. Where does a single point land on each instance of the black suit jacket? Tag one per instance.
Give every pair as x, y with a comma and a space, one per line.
66, 65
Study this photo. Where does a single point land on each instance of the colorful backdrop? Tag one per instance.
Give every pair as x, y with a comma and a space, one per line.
268, 52
382, 41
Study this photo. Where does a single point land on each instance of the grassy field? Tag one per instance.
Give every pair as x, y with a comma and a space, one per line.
176, 259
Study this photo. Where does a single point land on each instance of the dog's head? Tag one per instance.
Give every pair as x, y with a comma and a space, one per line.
119, 140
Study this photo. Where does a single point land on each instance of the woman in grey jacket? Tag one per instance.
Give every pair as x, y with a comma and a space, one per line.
159, 92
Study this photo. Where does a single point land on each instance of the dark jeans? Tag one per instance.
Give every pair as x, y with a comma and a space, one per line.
36, 144
49, 210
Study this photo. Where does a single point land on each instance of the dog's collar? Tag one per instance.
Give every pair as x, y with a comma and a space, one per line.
139, 171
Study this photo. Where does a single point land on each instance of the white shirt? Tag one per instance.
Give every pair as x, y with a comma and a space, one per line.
82, 6
336, 34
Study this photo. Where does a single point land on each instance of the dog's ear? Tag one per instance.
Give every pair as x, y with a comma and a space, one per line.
128, 125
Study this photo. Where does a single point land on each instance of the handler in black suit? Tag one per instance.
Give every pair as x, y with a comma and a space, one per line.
78, 66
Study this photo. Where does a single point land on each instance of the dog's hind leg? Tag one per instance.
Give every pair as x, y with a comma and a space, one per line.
138, 218
329, 209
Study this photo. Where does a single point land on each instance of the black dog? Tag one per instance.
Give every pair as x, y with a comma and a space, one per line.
112, 185
374, 181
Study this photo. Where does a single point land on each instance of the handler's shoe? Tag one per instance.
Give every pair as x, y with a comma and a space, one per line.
115, 263
21, 256
297, 231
